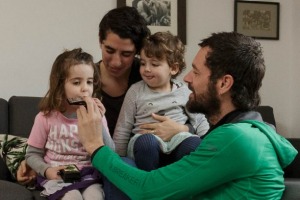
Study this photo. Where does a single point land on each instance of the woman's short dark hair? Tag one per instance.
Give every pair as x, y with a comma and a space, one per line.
127, 23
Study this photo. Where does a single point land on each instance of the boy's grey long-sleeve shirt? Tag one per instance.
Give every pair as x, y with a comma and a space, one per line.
140, 102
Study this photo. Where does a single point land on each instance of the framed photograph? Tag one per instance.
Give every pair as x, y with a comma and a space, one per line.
257, 19
161, 15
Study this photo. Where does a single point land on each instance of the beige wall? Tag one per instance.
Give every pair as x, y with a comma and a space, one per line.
34, 32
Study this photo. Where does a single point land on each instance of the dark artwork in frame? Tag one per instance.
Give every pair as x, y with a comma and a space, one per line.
169, 15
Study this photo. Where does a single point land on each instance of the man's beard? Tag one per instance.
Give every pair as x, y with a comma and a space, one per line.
207, 103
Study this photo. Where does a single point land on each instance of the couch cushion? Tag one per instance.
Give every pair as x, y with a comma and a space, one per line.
12, 150
22, 111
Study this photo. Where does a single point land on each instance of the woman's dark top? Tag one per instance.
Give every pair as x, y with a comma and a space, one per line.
113, 104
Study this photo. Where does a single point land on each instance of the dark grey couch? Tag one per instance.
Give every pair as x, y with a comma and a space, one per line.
17, 116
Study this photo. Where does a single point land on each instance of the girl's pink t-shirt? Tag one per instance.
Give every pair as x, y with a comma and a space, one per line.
58, 135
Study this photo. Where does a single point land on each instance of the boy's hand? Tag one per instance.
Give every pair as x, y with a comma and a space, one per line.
100, 106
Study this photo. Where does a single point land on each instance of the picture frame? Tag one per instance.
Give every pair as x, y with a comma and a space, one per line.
257, 19
176, 17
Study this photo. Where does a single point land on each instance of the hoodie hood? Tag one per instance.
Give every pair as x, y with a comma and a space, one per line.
237, 116
250, 115
285, 151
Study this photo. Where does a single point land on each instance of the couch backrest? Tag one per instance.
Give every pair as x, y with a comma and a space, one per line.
22, 112
3, 116
267, 114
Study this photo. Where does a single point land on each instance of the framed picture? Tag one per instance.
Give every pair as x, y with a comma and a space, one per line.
161, 15
257, 19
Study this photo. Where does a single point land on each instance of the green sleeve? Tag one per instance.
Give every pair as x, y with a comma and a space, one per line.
212, 164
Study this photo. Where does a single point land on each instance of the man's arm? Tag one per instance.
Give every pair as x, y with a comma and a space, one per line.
191, 176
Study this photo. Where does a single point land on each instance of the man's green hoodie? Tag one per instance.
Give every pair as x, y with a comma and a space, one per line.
240, 158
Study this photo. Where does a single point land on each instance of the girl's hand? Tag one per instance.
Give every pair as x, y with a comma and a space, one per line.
100, 106
53, 172
25, 175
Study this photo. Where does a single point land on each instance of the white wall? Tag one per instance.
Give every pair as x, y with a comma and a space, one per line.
34, 32
279, 88
294, 97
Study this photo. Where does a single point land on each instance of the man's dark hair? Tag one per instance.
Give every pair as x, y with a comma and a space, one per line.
241, 57
127, 23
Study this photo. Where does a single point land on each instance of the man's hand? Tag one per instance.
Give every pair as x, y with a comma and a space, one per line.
25, 175
166, 128
89, 126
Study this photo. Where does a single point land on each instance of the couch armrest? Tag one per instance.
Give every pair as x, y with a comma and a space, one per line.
292, 189
292, 170
3, 116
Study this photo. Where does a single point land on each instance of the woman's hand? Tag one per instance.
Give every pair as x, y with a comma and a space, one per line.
25, 175
166, 128
52, 173
89, 126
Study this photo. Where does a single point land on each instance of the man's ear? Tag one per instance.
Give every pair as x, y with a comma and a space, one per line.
225, 83
174, 69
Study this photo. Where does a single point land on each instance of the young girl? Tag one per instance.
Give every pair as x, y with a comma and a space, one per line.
53, 141
162, 59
